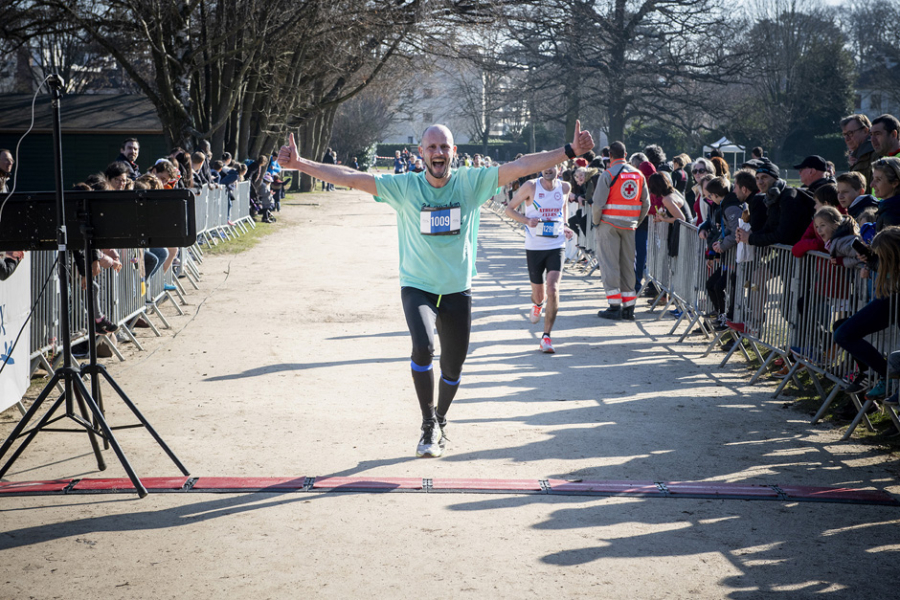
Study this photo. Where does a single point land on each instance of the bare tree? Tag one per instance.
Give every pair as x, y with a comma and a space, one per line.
803, 74
872, 28
637, 58
367, 118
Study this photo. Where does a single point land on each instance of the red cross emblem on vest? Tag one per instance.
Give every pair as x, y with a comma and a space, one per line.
629, 190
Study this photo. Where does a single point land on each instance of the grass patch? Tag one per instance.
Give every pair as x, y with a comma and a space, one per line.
247, 240
808, 402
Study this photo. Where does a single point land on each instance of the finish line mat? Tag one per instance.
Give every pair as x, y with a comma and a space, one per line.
551, 487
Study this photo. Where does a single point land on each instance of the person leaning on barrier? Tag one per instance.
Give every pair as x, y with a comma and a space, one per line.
201, 170
851, 189
876, 315
748, 192
621, 201
100, 259
788, 210
720, 232
701, 168
812, 241
839, 232
206, 150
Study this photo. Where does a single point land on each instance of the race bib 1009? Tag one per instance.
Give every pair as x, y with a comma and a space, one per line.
440, 220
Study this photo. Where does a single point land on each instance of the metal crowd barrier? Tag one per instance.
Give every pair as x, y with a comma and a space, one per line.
123, 298
659, 264
777, 307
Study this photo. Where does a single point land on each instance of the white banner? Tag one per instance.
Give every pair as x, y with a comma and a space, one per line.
15, 302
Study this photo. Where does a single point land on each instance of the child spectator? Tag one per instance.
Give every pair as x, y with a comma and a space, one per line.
811, 241
166, 172
851, 189
866, 222
278, 186
265, 199
838, 233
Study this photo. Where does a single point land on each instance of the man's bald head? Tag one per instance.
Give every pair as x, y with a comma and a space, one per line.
442, 131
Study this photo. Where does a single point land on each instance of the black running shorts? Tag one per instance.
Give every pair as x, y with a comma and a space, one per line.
544, 260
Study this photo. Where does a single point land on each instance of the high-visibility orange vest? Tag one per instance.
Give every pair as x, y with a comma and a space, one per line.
623, 206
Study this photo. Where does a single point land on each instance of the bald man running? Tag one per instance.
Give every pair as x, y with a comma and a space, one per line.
437, 222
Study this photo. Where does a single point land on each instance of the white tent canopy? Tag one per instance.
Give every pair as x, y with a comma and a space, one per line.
726, 147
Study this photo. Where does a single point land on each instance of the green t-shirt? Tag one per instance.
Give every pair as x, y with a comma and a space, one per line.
439, 264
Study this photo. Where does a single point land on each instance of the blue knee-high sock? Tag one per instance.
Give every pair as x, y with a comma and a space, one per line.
446, 392
423, 381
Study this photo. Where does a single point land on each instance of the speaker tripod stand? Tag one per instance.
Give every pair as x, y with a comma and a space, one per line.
161, 217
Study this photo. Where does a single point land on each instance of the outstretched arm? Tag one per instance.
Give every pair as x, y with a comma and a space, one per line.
534, 163
289, 158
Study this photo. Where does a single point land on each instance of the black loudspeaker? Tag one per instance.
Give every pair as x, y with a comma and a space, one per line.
133, 219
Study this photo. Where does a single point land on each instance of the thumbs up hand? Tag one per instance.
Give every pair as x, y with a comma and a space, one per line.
288, 155
582, 140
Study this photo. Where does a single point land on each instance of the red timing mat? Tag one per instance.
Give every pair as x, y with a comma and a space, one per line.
558, 487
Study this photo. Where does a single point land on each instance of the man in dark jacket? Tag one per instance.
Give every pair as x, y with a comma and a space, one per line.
789, 210
861, 154
748, 192
128, 154
814, 173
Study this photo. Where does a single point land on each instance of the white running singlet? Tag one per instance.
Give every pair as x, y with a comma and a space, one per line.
546, 206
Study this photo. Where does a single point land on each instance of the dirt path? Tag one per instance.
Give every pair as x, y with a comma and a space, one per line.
293, 361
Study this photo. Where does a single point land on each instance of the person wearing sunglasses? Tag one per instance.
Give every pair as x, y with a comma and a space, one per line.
701, 168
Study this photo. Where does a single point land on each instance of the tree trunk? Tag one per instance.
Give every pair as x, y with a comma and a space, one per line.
243, 145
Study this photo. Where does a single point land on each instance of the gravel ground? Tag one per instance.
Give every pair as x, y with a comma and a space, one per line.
292, 360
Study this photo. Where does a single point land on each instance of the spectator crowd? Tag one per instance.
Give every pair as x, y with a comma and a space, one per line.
850, 214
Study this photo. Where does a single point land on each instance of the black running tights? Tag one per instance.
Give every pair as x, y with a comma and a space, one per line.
451, 314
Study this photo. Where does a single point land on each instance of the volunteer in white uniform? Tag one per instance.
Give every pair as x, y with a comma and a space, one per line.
546, 232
